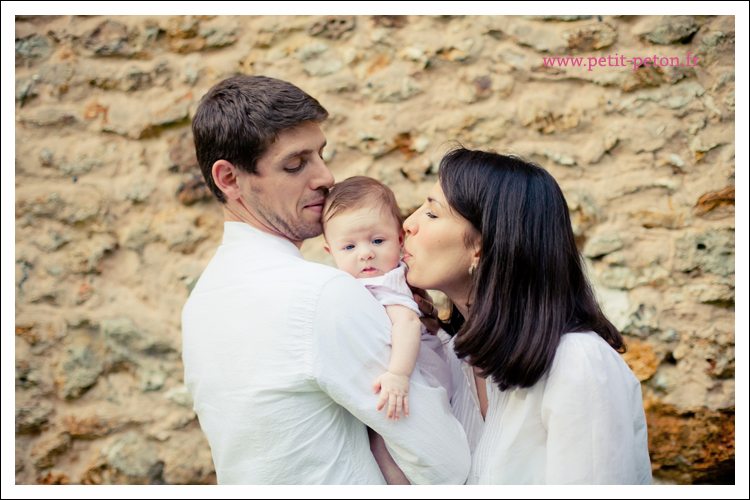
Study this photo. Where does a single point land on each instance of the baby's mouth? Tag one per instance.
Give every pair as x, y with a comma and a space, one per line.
369, 270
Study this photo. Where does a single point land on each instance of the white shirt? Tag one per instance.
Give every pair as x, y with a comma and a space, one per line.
280, 355
392, 289
582, 423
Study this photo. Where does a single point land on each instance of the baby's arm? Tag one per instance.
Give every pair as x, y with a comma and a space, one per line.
406, 337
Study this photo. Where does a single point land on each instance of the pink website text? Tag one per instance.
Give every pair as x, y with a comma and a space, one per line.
620, 61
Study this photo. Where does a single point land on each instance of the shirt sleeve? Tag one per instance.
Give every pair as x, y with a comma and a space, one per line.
392, 289
351, 348
587, 410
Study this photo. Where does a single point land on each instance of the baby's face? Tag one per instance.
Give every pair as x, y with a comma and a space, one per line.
365, 243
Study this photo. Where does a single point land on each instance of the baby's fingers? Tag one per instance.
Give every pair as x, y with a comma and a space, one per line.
391, 405
399, 403
382, 400
406, 406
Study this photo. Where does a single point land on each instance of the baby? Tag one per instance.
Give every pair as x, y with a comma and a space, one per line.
362, 225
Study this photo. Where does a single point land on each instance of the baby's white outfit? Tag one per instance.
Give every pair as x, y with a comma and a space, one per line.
392, 289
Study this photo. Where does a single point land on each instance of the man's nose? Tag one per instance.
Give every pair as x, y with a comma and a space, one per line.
323, 177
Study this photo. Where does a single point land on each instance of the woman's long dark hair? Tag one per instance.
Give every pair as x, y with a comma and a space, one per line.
529, 288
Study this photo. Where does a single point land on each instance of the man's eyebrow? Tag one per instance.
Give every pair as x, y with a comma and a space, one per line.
302, 152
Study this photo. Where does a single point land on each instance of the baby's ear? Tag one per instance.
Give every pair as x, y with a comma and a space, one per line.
327, 248
401, 239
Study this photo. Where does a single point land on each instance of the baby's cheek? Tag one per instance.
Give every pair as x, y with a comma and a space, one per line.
349, 267
394, 255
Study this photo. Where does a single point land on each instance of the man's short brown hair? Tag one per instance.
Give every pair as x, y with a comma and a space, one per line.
239, 118
358, 192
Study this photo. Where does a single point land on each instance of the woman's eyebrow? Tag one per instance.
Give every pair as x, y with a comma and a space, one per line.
434, 200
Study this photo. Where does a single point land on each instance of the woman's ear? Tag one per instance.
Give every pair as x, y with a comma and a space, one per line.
477, 251
225, 178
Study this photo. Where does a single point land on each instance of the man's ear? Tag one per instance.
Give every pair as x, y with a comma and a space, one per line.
225, 178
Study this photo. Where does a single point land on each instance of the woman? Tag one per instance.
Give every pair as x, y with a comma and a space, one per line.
540, 388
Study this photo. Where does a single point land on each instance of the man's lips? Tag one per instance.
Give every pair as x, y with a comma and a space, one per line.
317, 206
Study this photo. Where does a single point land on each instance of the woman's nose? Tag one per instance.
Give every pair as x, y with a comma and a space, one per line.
410, 226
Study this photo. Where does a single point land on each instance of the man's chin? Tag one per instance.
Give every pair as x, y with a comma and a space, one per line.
308, 230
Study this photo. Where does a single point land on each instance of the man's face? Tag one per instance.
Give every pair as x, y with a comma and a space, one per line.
288, 192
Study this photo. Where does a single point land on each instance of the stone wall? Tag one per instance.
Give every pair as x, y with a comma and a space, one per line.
114, 224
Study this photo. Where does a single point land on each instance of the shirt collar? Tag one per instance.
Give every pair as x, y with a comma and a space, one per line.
241, 232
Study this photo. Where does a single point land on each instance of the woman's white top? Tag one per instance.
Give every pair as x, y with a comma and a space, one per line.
392, 289
582, 423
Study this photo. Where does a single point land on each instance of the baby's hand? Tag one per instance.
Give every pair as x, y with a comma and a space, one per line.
395, 390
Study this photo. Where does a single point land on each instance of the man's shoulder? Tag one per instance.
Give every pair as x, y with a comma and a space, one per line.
339, 285
326, 279
247, 266
271, 276
319, 273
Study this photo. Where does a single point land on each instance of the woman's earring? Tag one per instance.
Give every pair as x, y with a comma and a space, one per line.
471, 270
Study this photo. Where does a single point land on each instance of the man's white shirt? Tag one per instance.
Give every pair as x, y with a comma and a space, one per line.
280, 355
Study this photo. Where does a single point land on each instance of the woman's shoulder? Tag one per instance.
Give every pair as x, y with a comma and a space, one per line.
582, 343
589, 355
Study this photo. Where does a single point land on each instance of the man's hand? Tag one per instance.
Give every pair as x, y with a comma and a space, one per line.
394, 389
424, 302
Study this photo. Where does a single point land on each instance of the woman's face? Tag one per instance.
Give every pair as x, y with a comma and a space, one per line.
435, 248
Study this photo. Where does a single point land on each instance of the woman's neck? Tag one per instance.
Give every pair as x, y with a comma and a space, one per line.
461, 305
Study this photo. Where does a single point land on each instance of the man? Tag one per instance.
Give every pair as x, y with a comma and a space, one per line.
280, 353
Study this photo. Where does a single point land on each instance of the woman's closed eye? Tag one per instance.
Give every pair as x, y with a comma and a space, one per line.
430, 215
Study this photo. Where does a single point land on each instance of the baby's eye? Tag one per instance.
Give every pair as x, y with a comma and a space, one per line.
349, 247
378, 241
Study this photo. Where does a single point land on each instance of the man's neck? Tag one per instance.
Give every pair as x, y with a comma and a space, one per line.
231, 214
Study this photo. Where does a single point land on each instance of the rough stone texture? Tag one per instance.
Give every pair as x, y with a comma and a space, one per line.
714, 199
114, 223
641, 358
602, 245
691, 447
87, 427
131, 455
32, 419
79, 369
668, 29
710, 251
591, 37
193, 190
48, 448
